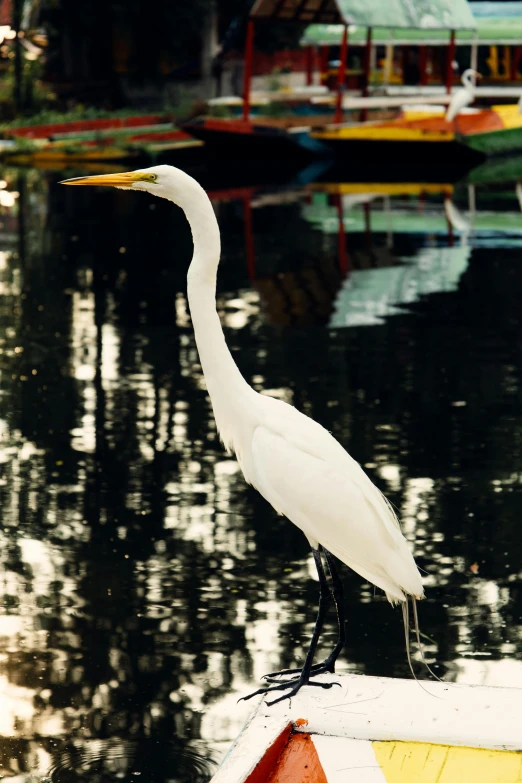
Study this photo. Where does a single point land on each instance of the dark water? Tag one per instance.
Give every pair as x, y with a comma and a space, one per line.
144, 587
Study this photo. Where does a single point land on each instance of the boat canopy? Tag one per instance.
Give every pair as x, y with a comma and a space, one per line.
424, 14
496, 9
490, 32
497, 23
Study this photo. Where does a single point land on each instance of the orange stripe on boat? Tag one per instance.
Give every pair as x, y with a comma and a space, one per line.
477, 122
43, 131
299, 762
228, 126
266, 766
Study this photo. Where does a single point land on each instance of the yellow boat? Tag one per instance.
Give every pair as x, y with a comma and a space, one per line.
382, 730
474, 135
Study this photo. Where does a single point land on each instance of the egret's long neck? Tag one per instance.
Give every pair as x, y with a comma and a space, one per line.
226, 385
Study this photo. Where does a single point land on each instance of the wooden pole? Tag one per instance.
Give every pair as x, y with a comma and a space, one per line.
344, 261
474, 58
507, 62
388, 68
449, 63
423, 62
367, 67
367, 225
247, 78
341, 76
403, 51
323, 64
515, 62
310, 65
451, 238
367, 61
472, 201
18, 63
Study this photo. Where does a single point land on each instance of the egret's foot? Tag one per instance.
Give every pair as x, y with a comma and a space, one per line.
294, 687
326, 667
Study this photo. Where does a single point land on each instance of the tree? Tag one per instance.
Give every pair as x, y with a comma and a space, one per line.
100, 51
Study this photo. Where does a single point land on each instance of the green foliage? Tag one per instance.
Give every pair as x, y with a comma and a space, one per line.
51, 116
273, 109
24, 145
222, 112
36, 93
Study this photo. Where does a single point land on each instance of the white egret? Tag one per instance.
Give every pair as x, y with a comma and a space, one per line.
294, 462
464, 96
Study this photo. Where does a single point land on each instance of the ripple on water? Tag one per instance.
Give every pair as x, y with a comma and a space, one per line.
101, 761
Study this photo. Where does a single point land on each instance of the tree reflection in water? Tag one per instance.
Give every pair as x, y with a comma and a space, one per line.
144, 586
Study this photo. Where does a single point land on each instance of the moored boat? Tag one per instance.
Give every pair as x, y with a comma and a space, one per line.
251, 136
259, 138
426, 137
380, 729
104, 139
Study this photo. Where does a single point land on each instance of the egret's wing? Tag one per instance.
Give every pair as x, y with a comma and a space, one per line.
310, 437
333, 510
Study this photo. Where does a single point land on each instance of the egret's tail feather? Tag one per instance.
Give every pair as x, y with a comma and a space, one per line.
417, 634
406, 621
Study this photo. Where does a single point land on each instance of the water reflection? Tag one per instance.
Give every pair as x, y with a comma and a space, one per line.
369, 296
144, 587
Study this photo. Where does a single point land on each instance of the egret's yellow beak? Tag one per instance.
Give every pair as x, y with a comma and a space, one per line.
124, 180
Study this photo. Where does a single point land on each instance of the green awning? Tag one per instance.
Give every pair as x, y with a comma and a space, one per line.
404, 14
489, 32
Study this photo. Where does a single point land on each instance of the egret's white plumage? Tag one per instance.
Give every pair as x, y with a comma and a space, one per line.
294, 462
462, 97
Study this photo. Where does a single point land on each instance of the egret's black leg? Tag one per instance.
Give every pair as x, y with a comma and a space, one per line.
304, 677
338, 595
328, 665
324, 596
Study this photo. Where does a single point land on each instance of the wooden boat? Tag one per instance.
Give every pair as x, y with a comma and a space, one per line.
379, 729
46, 130
259, 138
249, 137
505, 169
106, 139
415, 135
63, 155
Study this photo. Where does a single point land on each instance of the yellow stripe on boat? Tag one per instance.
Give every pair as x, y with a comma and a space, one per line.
509, 114
382, 188
418, 762
383, 133
391, 730
418, 114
